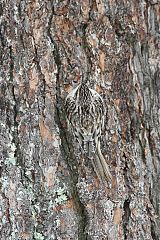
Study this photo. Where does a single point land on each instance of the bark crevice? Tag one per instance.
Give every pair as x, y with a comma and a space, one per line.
66, 145
126, 217
14, 133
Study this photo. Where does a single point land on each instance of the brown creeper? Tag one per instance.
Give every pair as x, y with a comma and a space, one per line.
85, 113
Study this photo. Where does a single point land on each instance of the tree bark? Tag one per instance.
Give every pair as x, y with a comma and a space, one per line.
48, 189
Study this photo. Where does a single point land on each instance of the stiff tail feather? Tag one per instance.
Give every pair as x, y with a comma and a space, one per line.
100, 166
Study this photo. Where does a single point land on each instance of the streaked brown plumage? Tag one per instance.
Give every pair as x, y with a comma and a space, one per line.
85, 113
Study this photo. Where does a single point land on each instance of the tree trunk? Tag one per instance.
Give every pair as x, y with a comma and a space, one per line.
49, 190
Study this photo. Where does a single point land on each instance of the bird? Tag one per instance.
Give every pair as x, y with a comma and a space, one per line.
85, 111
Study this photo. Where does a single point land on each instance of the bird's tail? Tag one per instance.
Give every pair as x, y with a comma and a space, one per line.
100, 166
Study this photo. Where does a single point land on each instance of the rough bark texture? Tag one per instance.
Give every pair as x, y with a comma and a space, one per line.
48, 190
